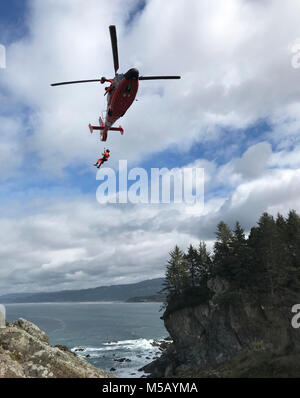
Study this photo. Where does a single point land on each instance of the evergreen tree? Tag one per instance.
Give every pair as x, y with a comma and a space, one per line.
281, 226
293, 237
293, 251
240, 256
269, 254
282, 230
223, 234
176, 279
191, 259
222, 250
267, 262
204, 263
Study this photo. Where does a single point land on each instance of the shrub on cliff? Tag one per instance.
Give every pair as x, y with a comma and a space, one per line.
190, 297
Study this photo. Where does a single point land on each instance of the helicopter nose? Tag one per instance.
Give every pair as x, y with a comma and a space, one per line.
132, 74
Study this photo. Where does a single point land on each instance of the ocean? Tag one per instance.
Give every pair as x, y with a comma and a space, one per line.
103, 333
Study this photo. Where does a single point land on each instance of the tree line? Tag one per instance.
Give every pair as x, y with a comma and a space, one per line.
267, 261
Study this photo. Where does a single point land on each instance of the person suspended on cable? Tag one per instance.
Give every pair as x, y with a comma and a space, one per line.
105, 156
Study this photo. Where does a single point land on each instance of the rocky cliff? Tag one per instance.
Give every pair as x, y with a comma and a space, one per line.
232, 334
25, 352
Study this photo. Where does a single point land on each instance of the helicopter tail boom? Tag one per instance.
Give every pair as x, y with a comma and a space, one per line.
105, 128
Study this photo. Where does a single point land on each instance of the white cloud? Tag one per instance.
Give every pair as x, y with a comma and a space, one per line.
11, 150
62, 257
254, 160
79, 243
234, 62
286, 158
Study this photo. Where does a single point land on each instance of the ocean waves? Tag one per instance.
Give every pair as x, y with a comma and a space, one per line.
123, 358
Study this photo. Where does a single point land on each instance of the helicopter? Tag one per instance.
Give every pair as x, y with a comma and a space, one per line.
120, 94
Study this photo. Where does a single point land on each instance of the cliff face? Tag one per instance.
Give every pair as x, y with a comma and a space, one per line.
229, 325
25, 352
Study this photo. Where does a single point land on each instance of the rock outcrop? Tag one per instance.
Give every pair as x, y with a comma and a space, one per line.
25, 352
214, 338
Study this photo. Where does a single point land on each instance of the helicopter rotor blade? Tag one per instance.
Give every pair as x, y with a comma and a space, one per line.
75, 82
114, 46
158, 77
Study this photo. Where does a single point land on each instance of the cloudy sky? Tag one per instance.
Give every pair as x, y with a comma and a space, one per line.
235, 113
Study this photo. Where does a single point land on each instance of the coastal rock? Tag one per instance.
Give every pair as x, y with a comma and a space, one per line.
9, 366
161, 344
64, 348
163, 365
32, 329
122, 360
214, 334
209, 334
159, 367
25, 352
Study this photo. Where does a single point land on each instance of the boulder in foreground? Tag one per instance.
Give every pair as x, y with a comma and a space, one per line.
25, 352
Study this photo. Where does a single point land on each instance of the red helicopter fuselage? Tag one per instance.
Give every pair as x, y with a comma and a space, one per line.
120, 95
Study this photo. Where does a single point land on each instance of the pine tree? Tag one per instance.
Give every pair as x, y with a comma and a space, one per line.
293, 251
222, 250
240, 258
267, 262
204, 263
223, 234
176, 279
191, 259
293, 237
282, 230
269, 249
281, 226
